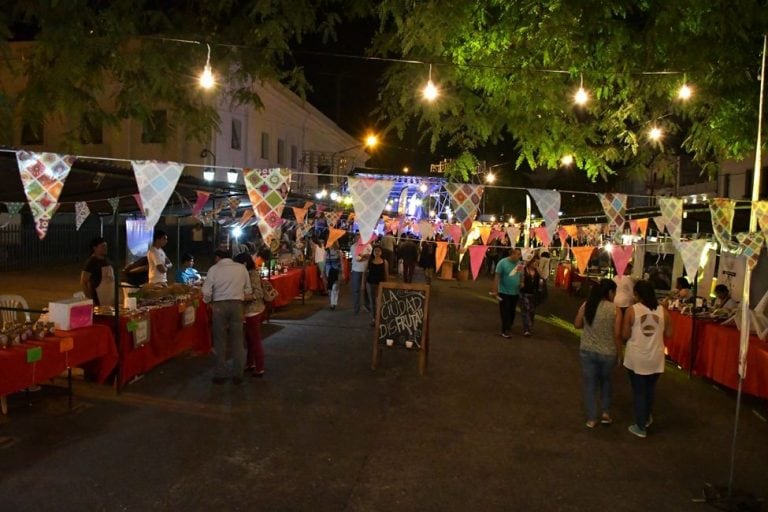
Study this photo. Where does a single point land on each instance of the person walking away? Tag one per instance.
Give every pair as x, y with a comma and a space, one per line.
225, 288
531, 282
427, 259
644, 326
332, 273
625, 289
408, 251
97, 278
388, 250
318, 255
254, 316
506, 288
159, 264
599, 349
376, 273
359, 265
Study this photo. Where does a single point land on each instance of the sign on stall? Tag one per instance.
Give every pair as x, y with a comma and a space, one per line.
402, 321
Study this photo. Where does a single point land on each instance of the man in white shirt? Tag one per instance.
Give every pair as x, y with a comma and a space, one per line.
158, 261
225, 288
359, 265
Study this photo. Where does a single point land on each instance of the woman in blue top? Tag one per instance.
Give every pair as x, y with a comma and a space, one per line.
506, 288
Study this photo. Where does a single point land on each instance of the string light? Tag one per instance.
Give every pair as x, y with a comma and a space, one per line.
655, 134
207, 80
685, 92
405, 170
371, 141
430, 91
581, 97
490, 178
566, 160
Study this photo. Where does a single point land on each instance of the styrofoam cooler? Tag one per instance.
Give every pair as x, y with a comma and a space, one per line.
72, 313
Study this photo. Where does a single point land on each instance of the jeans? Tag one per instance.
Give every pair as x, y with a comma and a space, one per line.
643, 388
357, 288
228, 329
507, 306
255, 357
528, 310
597, 373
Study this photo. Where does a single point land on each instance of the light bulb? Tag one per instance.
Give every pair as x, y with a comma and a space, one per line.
566, 160
371, 141
206, 77
237, 231
490, 178
655, 133
209, 174
334, 195
232, 176
581, 97
405, 170
430, 91
423, 188
685, 92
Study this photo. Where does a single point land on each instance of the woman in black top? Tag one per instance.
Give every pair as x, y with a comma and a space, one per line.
377, 271
529, 286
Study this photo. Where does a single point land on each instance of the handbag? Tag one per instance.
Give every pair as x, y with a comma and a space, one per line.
270, 293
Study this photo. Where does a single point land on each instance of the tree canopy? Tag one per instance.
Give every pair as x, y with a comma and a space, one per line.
510, 70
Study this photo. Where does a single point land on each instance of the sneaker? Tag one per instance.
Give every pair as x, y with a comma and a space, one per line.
635, 430
591, 423
650, 421
606, 419
505, 335
527, 334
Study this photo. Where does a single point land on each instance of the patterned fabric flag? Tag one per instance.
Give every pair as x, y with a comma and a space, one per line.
332, 218
333, 235
14, 208
485, 234
760, 209
751, 244
642, 226
300, 214
722, 211
43, 176
5, 219
582, 255
441, 250
661, 223
369, 197
592, 230
548, 202
426, 229
614, 206
621, 255
156, 181
267, 190
513, 232
202, 198
234, 203
476, 257
672, 210
81, 213
464, 200
454, 233
691, 251
563, 234
114, 202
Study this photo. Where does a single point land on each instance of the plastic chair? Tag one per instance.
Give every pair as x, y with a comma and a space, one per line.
13, 301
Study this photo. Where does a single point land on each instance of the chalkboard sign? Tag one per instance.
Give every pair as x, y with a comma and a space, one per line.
402, 320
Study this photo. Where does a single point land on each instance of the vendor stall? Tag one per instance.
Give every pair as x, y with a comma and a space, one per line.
288, 284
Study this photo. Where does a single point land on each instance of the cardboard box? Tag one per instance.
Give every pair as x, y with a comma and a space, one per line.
70, 314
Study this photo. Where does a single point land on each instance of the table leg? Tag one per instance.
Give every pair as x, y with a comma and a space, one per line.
3, 405
69, 387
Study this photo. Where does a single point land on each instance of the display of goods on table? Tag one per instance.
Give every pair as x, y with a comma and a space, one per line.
12, 333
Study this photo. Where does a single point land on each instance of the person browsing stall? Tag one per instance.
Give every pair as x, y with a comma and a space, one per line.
158, 261
97, 278
187, 273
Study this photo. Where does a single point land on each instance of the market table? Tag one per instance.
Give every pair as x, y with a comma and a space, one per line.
92, 348
288, 285
312, 279
679, 344
167, 338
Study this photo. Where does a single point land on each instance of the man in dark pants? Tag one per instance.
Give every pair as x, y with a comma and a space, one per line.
506, 288
408, 251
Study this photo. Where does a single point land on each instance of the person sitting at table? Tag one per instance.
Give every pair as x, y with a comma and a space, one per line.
97, 278
683, 289
723, 299
186, 273
254, 313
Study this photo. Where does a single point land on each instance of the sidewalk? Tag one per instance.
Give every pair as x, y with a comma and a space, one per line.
496, 424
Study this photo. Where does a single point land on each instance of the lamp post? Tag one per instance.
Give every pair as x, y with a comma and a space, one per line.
208, 173
370, 142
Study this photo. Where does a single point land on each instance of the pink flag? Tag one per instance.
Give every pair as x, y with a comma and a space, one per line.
542, 233
454, 231
440, 251
476, 257
563, 234
633, 227
137, 197
621, 255
202, 198
496, 234
582, 255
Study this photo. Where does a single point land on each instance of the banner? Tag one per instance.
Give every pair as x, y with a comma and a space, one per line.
202, 198
234, 204
621, 255
441, 250
333, 235
496, 234
465, 199
691, 251
582, 255
300, 214
114, 202
81, 213
572, 230
615, 207
672, 210
156, 181
722, 211
245, 217
138, 238
267, 190
43, 176
548, 202
476, 257
369, 197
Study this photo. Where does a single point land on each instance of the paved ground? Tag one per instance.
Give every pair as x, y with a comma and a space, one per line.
495, 425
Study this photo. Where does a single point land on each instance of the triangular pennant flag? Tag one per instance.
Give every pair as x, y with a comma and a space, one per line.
156, 181
43, 176
234, 203
441, 250
496, 234
526, 253
137, 198
465, 199
454, 233
751, 245
548, 202
672, 210
332, 218
333, 235
245, 217
633, 227
513, 232
691, 251
582, 255
476, 257
369, 197
642, 226
621, 255
319, 209
114, 202
563, 234
542, 234
14, 208
268, 190
572, 230
722, 211
661, 223
81, 213
614, 206
760, 209
307, 204
202, 198
300, 214
426, 229
485, 234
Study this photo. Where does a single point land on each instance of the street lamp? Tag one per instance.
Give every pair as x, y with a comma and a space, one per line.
208, 173
371, 141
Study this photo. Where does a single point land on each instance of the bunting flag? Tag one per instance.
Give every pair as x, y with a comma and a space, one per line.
760, 210
485, 234
496, 234
333, 235
548, 202
672, 210
592, 230
513, 232
43, 176
621, 255
633, 227
642, 226
465, 199
542, 234
572, 230
476, 257
526, 253
307, 204
137, 198
722, 211
751, 244
563, 234
332, 218
582, 255
5, 219
81, 213
114, 202
614, 206
426, 229
202, 198
661, 223
691, 252
245, 217
319, 209
300, 214
267, 190
156, 181
302, 230
14, 208
454, 233
358, 247
369, 197
234, 203
441, 250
